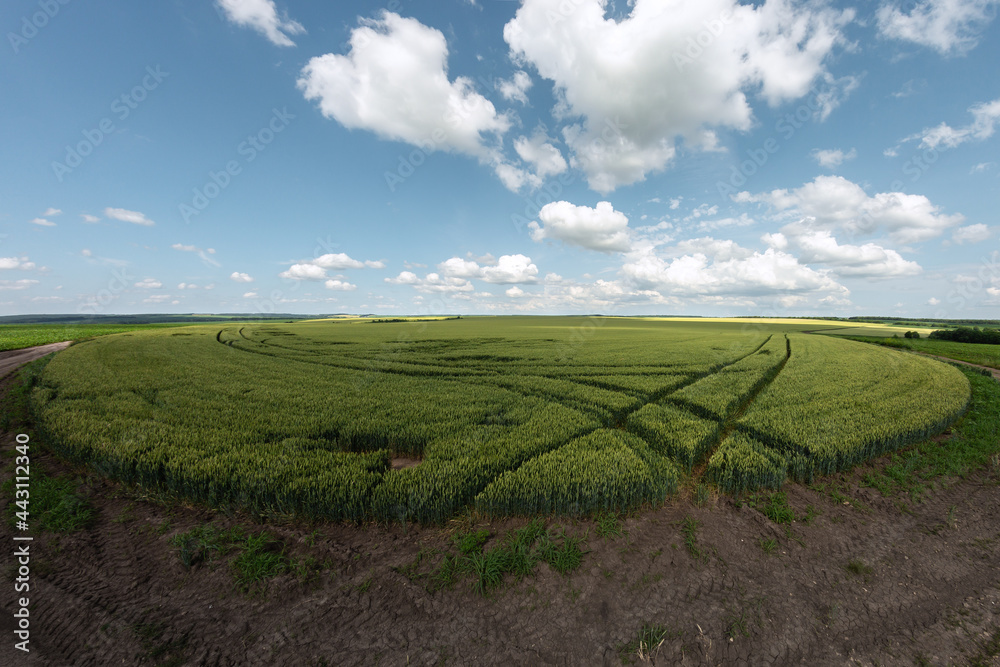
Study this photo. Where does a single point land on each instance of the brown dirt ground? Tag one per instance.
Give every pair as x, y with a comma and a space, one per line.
11, 359
117, 593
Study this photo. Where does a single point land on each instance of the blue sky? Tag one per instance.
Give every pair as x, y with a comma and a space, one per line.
543, 156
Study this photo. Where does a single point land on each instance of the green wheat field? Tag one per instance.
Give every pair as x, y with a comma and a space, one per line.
503, 416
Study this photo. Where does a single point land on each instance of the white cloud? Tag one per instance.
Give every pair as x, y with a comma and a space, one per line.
833, 157
394, 82
833, 202
454, 275
601, 228
262, 16
24, 283
638, 87
21, 263
510, 269
933, 301
339, 285
51, 211
240, 277
315, 269
432, 283
981, 167
516, 88
869, 260
86, 252
984, 119
339, 261
951, 27
125, 215
459, 268
42, 222
544, 158
160, 298
149, 283
720, 250
183, 286
735, 272
89, 218
514, 292
971, 234
184, 248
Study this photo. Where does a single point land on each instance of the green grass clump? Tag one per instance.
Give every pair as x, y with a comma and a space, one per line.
472, 541
608, 525
689, 529
646, 643
859, 568
517, 554
54, 504
254, 558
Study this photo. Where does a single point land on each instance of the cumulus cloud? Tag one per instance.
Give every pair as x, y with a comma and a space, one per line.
125, 215
545, 159
315, 269
89, 218
833, 202
240, 277
394, 82
984, 119
339, 261
510, 269
514, 292
515, 89
833, 158
455, 275
42, 222
601, 228
432, 283
950, 27
868, 261
262, 16
339, 285
50, 212
21, 263
638, 88
971, 234
734, 272
149, 283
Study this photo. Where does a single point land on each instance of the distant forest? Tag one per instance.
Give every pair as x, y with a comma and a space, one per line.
968, 335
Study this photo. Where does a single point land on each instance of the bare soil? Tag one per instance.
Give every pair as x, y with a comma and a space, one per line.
863, 582
11, 359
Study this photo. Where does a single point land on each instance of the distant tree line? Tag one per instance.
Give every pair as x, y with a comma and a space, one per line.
967, 335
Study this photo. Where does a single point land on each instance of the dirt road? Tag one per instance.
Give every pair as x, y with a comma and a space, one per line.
11, 359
